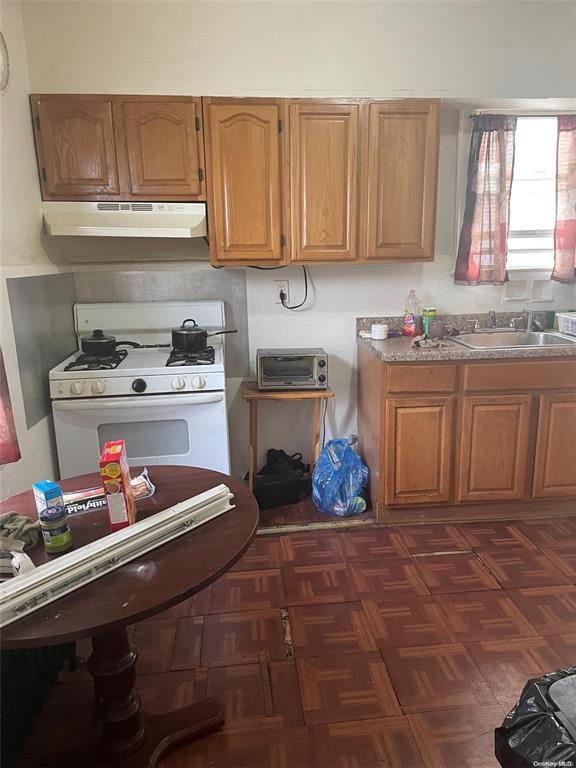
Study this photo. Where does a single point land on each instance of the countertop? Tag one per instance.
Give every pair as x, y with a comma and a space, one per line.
398, 350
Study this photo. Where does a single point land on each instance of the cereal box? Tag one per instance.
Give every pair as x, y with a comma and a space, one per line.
116, 481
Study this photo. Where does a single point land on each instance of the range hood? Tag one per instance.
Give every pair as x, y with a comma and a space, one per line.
119, 219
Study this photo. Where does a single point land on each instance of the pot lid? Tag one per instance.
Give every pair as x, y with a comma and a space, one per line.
99, 335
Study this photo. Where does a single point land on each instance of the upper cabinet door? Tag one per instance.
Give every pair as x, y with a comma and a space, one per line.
324, 181
75, 145
162, 142
244, 156
401, 176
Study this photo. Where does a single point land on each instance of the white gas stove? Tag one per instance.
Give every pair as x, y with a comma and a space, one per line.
169, 409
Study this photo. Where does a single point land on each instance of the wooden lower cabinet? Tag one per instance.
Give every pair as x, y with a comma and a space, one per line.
555, 463
493, 447
441, 449
418, 450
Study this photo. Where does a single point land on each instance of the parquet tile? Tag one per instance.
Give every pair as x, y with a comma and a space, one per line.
258, 693
386, 742
243, 638
153, 641
506, 665
377, 543
564, 646
264, 552
387, 578
564, 560
345, 687
187, 643
462, 572
485, 616
457, 738
519, 568
425, 539
435, 677
315, 548
318, 630
258, 747
407, 621
171, 690
494, 535
317, 584
550, 533
550, 610
247, 591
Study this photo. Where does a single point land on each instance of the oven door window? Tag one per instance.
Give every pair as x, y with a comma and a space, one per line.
169, 437
287, 369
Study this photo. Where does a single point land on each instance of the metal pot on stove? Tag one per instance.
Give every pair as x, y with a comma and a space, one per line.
99, 344
192, 338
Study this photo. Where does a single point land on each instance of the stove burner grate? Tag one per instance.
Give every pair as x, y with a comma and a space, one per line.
204, 356
94, 363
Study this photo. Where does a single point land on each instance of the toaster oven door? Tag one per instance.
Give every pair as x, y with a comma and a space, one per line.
286, 372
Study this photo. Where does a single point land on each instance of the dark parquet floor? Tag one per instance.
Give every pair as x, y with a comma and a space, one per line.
364, 647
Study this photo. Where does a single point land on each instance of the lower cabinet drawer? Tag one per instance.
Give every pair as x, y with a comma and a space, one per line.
520, 375
419, 378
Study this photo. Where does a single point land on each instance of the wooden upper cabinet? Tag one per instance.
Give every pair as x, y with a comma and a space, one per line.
76, 147
324, 141
418, 450
400, 180
119, 147
162, 145
494, 447
244, 173
555, 465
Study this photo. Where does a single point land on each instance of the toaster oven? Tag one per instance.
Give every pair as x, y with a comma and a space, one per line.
292, 368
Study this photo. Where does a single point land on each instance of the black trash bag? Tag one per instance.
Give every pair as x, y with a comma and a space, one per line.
541, 729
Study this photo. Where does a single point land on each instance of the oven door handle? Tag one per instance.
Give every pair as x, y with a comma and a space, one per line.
130, 402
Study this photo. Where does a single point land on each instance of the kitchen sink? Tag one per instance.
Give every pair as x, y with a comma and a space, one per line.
513, 339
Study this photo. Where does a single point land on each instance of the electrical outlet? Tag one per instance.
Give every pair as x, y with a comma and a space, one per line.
282, 286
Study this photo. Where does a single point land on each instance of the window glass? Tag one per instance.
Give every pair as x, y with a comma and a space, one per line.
533, 195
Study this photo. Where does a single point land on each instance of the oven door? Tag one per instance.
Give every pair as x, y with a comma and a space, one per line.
286, 372
187, 429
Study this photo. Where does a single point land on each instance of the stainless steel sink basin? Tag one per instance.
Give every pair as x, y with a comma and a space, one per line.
513, 340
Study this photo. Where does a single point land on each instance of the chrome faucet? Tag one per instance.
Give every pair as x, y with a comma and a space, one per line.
492, 321
527, 320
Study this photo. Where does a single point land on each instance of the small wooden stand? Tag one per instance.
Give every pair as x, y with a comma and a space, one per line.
252, 394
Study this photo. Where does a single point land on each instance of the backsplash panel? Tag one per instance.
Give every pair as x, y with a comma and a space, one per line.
43, 322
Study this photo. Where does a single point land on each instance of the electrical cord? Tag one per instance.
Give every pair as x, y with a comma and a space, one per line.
304, 300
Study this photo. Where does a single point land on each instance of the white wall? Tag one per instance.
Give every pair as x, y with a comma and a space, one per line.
388, 49
20, 250
492, 49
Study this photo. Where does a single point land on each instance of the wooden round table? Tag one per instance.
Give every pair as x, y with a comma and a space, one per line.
152, 583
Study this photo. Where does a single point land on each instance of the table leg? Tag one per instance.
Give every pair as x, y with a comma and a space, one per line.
128, 737
316, 431
253, 451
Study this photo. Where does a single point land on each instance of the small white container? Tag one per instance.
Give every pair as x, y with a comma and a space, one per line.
566, 322
379, 331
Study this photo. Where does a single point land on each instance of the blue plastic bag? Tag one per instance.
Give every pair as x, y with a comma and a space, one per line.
339, 478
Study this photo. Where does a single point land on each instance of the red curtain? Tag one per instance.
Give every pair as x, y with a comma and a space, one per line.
565, 232
9, 450
482, 248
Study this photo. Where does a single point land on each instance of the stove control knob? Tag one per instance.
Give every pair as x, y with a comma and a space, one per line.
77, 387
178, 382
98, 387
198, 382
139, 385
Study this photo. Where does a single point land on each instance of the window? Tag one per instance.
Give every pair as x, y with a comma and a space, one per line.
533, 195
